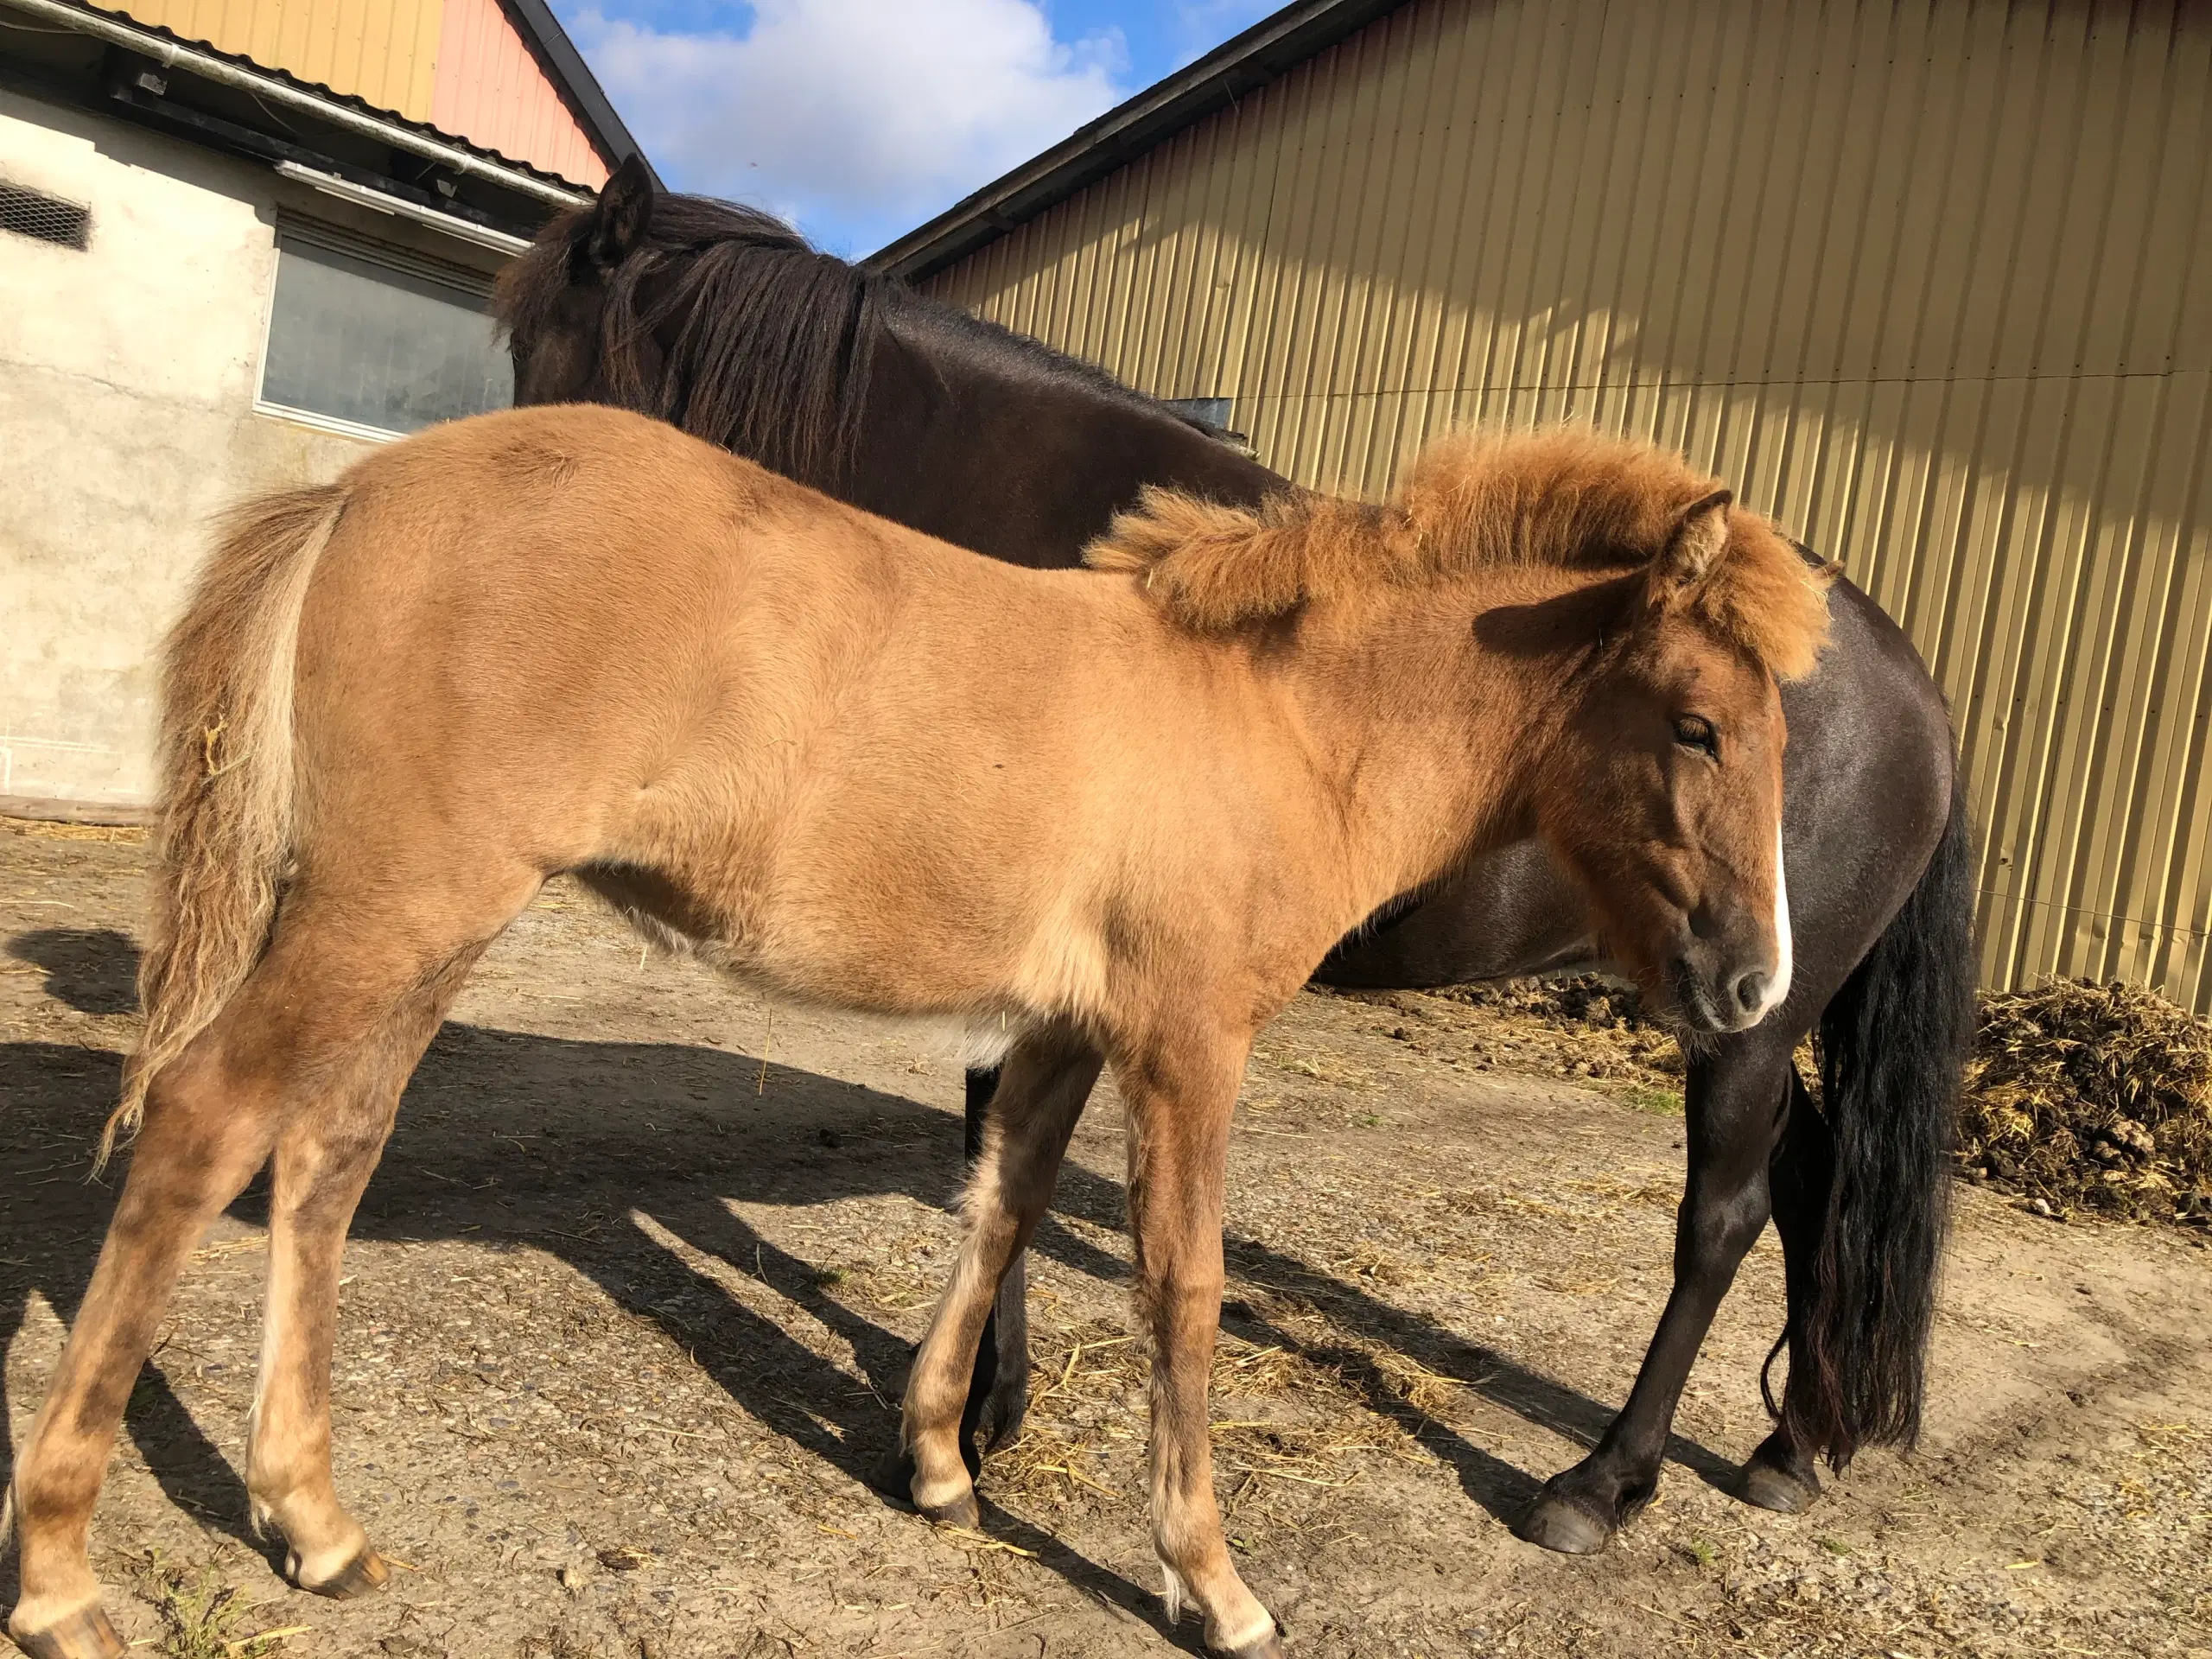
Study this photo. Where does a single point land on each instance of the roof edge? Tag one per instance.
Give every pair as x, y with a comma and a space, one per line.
346, 109
574, 79
1243, 64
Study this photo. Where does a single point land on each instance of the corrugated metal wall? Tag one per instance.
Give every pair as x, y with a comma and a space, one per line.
1926, 279
491, 92
382, 50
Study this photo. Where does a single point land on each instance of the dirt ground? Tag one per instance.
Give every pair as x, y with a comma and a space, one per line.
629, 1306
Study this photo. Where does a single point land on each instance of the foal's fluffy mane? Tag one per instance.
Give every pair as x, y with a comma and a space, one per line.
1560, 495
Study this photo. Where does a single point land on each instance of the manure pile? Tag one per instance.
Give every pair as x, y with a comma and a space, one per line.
2096, 1097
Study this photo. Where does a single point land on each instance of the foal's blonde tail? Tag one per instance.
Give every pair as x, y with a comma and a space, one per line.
225, 842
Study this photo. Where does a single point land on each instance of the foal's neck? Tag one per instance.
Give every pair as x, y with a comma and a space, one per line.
1429, 740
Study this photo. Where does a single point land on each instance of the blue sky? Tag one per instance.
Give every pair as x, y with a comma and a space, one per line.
858, 119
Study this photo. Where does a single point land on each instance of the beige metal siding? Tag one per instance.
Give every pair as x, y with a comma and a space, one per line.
383, 51
1927, 280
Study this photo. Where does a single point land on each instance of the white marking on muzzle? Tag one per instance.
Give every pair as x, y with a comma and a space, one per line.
1778, 987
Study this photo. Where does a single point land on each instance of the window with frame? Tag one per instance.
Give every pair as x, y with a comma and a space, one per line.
1210, 411
372, 346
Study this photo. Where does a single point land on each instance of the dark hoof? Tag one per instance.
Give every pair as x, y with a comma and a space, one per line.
961, 1512
82, 1635
894, 1478
364, 1575
1000, 1420
1783, 1491
1560, 1523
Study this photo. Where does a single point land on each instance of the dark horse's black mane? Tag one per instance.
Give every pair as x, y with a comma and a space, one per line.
727, 323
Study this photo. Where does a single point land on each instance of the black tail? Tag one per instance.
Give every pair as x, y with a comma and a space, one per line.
1893, 1042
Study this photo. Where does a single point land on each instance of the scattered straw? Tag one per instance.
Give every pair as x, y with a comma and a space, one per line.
1587, 1029
201, 1613
129, 834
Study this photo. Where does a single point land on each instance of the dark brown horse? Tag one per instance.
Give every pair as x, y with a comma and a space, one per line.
725, 322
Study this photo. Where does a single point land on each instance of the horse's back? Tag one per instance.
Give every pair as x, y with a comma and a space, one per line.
571, 638
521, 621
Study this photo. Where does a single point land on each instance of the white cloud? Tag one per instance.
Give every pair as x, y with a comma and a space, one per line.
858, 117
1201, 25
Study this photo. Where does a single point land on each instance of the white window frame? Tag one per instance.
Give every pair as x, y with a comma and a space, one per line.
292, 228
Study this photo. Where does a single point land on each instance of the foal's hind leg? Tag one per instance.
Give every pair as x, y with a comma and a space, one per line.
1735, 1115
300, 1022
208, 1123
1042, 1093
998, 1393
323, 1159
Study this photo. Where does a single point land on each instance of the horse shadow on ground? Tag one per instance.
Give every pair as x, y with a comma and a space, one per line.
508, 1136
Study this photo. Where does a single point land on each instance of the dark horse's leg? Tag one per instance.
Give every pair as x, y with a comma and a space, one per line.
1780, 1474
1737, 1101
998, 1395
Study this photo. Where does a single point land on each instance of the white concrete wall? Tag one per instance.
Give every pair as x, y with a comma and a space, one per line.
127, 379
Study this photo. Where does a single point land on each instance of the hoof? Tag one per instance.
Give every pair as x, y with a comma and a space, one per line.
960, 1512
364, 1575
894, 1478
1267, 1647
82, 1635
1783, 1491
1559, 1523
1000, 1420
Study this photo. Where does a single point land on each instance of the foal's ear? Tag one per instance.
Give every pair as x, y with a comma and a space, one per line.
1699, 535
625, 211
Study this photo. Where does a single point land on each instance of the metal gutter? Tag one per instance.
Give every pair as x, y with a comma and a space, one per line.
382, 201
1271, 48
171, 55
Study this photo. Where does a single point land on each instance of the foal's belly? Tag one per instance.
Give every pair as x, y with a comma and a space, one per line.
1511, 912
668, 913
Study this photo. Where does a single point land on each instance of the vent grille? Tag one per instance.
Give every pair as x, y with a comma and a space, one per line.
48, 218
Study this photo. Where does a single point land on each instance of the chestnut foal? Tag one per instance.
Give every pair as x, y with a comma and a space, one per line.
827, 752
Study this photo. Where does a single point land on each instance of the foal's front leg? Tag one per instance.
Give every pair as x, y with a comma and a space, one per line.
1178, 1116
1042, 1093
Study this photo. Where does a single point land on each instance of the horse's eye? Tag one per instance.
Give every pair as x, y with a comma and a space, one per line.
1695, 732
